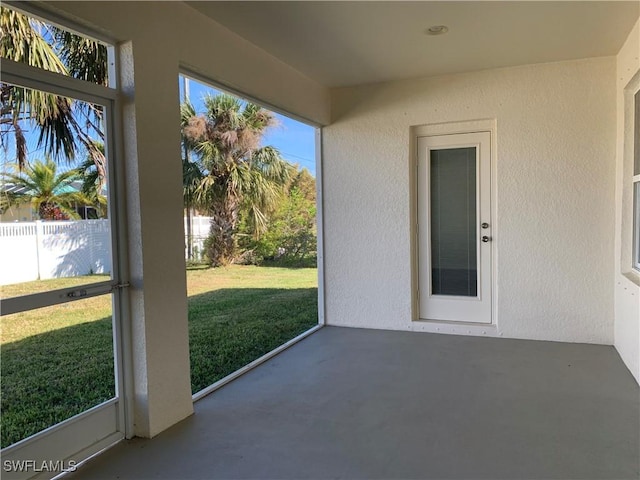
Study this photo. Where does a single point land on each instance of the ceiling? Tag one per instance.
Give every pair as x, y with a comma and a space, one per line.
349, 43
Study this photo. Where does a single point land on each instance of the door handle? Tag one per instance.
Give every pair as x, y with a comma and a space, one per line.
485, 239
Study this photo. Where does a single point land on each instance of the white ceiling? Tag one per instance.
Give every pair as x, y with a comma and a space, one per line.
348, 43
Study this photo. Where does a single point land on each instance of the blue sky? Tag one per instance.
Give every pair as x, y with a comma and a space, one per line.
8, 159
295, 140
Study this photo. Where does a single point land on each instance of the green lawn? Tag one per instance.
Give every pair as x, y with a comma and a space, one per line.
58, 361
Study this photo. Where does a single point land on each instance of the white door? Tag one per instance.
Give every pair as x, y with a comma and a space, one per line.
454, 227
68, 319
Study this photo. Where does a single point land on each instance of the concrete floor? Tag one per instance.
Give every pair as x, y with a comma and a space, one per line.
356, 404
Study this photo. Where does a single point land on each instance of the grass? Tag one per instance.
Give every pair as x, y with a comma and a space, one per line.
58, 361
27, 324
251, 311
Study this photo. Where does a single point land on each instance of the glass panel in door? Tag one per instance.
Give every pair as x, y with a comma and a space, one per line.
454, 269
56, 306
54, 218
57, 362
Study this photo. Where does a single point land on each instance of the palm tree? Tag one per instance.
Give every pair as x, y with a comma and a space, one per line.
47, 190
61, 132
93, 184
237, 173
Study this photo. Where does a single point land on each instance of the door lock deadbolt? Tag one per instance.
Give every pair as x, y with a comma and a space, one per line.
485, 225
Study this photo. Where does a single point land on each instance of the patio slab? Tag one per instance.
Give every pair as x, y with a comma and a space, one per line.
354, 404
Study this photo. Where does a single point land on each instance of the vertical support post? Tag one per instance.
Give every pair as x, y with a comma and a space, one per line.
187, 198
155, 209
39, 245
320, 227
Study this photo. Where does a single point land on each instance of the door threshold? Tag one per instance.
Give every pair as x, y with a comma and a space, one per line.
455, 328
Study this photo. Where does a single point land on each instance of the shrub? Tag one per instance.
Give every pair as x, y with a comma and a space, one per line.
291, 236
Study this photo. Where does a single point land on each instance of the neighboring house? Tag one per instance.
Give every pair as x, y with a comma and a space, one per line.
17, 213
25, 213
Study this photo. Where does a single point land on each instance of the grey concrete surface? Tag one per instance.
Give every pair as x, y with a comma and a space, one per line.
358, 404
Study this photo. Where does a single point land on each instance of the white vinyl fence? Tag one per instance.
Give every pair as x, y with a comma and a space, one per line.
42, 250
199, 232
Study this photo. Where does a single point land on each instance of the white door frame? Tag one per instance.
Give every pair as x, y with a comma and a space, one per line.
89, 432
419, 322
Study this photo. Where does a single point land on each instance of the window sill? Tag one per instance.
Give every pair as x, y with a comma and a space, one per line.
633, 276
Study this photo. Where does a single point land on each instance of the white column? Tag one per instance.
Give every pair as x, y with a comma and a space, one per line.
160, 341
39, 246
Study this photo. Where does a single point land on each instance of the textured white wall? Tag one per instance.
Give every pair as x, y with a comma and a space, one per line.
555, 196
627, 289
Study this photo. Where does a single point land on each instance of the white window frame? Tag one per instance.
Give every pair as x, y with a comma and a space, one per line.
38, 12
91, 431
191, 75
635, 188
629, 245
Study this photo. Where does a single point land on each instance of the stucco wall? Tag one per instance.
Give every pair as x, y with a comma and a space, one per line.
627, 291
555, 196
17, 213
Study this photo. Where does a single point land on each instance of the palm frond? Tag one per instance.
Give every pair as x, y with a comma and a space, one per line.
191, 178
22, 41
56, 122
21, 144
84, 58
271, 164
187, 111
257, 118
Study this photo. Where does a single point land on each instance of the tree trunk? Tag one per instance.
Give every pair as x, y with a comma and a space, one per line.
46, 211
221, 244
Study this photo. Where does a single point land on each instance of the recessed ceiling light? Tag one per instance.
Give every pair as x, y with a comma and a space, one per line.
437, 30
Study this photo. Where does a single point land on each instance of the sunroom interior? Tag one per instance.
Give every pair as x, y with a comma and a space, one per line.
553, 88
